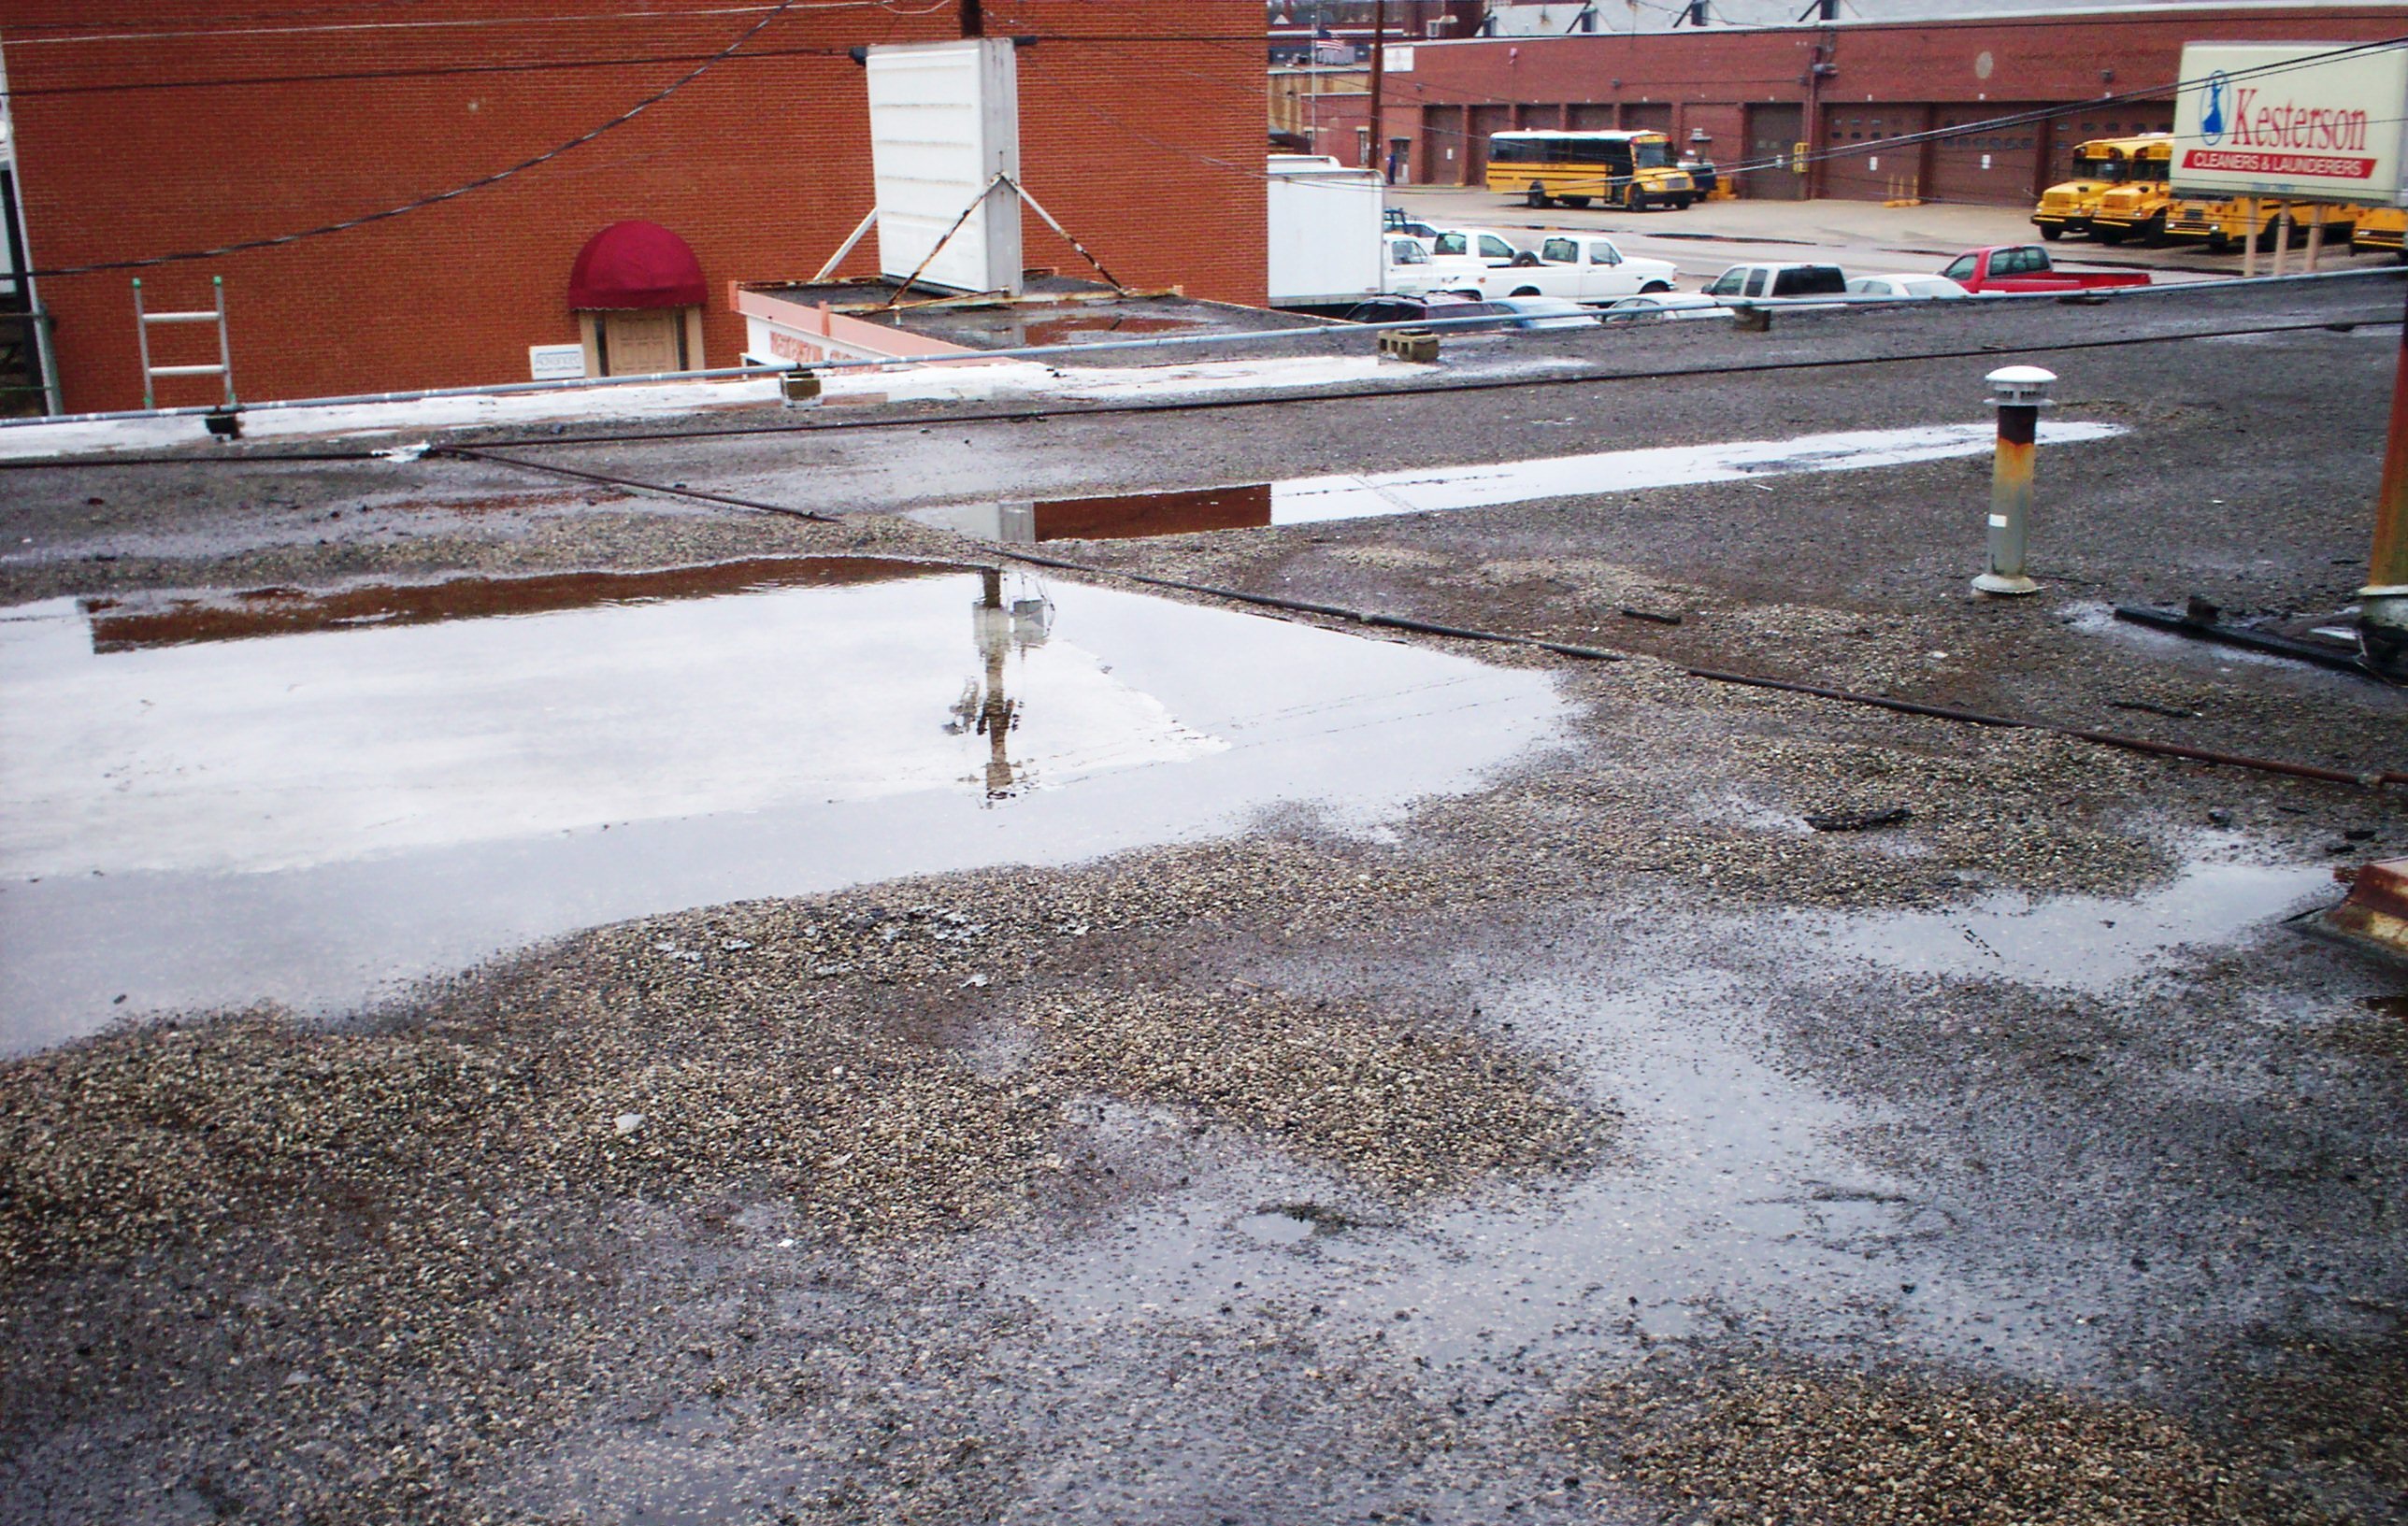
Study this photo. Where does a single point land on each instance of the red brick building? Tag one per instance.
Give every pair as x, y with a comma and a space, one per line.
175, 125
1748, 94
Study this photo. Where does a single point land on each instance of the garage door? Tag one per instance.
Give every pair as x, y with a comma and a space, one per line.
1983, 163
1592, 116
1442, 144
1647, 119
1772, 132
1484, 121
1861, 161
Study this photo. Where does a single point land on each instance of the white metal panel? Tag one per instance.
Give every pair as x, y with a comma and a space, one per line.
944, 121
1323, 233
2305, 122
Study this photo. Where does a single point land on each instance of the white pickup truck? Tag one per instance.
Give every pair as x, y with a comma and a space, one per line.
1408, 269
1583, 266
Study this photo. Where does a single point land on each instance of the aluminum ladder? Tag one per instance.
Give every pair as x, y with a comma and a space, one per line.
142, 322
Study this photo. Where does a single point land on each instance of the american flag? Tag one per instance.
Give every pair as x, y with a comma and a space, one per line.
1328, 50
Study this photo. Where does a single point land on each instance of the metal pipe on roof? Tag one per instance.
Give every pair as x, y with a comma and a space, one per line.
1157, 342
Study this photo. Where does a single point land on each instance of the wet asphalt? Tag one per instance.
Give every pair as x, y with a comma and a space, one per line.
1599, 1140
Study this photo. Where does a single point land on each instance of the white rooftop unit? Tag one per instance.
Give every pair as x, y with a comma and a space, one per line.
944, 121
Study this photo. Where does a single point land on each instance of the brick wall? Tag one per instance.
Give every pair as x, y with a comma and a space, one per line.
1705, 80
1142, 131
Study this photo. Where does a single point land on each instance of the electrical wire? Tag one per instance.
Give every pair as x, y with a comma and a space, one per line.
278, 241
464, 22
1969, 129
775, 12
1381, 619
1300, 396
2148, 94
430, 71
1480, 384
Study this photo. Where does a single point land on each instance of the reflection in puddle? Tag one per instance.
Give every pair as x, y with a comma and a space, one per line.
1740, 1198
1310, 500
2085, 943
1736, 1191
1185, 513
1101, 326
310, 799
1276, 1227
121, 624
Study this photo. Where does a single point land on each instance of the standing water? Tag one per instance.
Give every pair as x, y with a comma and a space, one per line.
318, 799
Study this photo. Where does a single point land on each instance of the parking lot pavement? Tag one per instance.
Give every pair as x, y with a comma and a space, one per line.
1863, 237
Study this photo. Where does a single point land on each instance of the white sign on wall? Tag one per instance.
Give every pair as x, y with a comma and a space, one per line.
1395, 60
944, 121
2310, 121
555, 362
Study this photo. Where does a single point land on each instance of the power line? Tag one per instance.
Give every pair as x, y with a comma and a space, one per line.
278, 241
432, 71
531, 66
1989, 124
127, 33
774, 13
2382, 317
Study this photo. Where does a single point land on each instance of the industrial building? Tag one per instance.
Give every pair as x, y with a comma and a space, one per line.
467, 191
1749, 96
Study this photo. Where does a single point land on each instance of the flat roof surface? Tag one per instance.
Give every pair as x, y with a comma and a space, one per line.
1056, 310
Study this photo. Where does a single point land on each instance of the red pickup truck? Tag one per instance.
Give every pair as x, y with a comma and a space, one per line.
2025, 267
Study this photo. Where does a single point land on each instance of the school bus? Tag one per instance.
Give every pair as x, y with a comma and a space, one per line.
2226, 223
2136, 208
2381, 228
1632, 170
2099, 166
2195, 219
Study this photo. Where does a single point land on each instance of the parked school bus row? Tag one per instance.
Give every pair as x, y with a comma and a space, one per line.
2122, 189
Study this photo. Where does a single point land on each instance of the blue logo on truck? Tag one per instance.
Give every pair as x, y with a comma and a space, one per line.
2211, 110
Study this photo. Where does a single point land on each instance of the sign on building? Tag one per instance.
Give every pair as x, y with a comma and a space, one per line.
944, 121
555, 362
2303, 122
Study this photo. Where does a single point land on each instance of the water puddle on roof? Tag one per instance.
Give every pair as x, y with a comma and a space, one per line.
1015, 328
1733, 1190
1098, 328
1309, 500
2079, 942
317, 798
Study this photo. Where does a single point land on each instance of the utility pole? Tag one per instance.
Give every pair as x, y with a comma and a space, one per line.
1379, 76
2383, 603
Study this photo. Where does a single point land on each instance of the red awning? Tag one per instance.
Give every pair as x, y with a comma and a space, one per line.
635, 264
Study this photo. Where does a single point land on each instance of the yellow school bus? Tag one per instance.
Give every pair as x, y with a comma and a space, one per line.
2136, 208
1633, 170
2230, 222
2195, 219
2381, 228
2099, 166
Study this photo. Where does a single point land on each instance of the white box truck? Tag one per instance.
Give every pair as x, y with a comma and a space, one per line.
1325, 243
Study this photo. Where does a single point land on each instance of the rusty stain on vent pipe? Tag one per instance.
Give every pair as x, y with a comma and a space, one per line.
2374, 915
